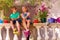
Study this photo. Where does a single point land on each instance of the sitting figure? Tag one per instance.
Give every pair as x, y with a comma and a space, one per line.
25, 20
15, 20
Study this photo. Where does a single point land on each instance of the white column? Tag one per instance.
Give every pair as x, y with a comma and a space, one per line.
7, 35
54, 37
46, 35
1, 25
38, 32
15, 37
31, 38
7, 26
23, 36
57, 30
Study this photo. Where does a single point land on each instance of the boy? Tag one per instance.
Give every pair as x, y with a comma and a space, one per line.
14, 16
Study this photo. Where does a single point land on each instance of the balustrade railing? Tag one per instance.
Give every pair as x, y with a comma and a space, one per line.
44, 31
48, 31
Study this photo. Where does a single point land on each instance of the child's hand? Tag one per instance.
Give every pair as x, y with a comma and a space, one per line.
24, 19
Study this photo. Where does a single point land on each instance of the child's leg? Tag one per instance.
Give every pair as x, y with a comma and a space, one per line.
18, 26
28, 23
12, 25
26, 32
24, 24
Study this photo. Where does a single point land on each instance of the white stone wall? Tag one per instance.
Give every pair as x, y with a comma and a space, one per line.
55, 8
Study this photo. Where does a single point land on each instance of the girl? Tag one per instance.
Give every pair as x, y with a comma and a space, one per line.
25, 20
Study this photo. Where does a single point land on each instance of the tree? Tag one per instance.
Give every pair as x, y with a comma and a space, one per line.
32, 2
5, 5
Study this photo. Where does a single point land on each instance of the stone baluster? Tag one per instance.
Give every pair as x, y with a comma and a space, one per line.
38, 33
7, 26
1, 26
46, 33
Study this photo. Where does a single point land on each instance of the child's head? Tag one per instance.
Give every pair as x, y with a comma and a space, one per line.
14, 9
24, 9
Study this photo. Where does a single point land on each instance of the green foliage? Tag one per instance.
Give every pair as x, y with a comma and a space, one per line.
32, 2
6, 18
43, 14
36, 16
9, 2
6, 3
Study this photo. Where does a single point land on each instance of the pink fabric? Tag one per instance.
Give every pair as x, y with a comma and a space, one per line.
58, 20
26, 33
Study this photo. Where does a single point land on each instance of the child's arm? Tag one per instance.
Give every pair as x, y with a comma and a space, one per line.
10, 17
22, 16
28, 14
18, 15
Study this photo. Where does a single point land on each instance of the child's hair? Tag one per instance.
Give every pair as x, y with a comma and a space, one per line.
26, 8
13, 7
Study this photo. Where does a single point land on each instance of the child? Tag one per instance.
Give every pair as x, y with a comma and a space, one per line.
15, 18
25, 20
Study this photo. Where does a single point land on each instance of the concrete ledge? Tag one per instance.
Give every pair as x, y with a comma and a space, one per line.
45, 24
39, 24
5, 25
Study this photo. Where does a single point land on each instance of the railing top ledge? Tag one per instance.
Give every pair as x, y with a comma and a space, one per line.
45, 24
53, 24
5, 24
40, 24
